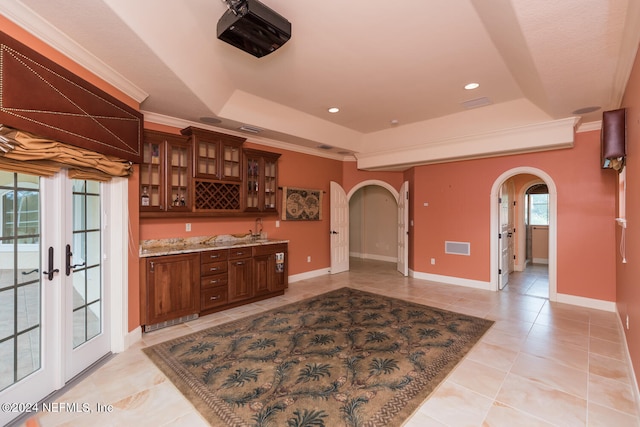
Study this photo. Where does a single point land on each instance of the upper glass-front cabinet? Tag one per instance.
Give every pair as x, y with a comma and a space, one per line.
165, 173
261, 180
216, 156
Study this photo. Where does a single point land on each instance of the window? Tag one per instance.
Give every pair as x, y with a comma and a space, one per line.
539, 206
19, 208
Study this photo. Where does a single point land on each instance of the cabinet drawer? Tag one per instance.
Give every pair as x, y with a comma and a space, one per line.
213, 256
244, 252
213, 281
269, 249
213, 268
213, 297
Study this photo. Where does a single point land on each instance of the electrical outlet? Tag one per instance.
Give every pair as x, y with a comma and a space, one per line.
277, 224
309, 259
433, 261
187, 226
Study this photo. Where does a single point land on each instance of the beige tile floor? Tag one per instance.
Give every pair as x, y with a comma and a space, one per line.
541, 364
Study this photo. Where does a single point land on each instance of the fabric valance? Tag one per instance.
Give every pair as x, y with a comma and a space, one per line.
26, 153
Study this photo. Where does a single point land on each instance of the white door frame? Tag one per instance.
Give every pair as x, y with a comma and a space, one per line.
553, 226
379, 183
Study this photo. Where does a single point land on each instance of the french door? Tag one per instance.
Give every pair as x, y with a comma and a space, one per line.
52, 293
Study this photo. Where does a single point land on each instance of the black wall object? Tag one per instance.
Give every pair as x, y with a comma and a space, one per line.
254, 28
613, 137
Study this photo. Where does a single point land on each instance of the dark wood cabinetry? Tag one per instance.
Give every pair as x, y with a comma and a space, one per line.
261, 169
171, 284
240, 268
176, 286
205, 173
217, 166
213, 279
165, 173
270, 268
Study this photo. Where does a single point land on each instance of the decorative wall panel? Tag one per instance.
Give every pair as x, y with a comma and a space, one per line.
41, 97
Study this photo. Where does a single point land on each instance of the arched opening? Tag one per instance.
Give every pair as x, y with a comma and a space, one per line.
527, 177
373, 223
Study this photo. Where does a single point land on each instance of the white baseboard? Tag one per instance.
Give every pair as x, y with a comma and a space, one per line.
634, 382
373, 257
308, 275
587, 302
132, 337
541, 260
449, 280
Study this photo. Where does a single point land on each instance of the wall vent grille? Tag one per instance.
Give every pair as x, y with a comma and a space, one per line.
457, 248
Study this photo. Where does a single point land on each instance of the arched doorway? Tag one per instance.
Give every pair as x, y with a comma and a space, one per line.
341, 209
495, 225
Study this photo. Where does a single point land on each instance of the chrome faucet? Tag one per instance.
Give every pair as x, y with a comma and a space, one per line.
257, 232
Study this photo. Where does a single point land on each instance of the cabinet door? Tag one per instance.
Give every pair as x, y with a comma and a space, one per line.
152, 175
165, 181
253, 184
178, 176
261, 181
173, 287
231, 169
240, 279
270, 183
261, 276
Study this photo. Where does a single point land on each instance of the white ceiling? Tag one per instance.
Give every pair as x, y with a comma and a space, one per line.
378, 60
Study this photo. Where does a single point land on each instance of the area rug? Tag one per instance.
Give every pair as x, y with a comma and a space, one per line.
344, 358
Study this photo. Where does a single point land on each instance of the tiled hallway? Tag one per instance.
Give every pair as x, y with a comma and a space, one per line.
541, 363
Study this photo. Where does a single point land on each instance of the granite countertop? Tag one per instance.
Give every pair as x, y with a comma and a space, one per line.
150, 248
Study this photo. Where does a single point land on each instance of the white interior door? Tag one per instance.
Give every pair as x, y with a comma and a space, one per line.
503, 238
339, 229
49, 333
403, 229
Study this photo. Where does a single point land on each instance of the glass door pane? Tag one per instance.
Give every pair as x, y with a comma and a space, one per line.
20, 278
86, 262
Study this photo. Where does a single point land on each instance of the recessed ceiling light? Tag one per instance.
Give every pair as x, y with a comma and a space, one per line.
470, 86
333, 109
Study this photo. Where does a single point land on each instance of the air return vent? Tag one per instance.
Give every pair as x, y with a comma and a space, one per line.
477, 102
457, 248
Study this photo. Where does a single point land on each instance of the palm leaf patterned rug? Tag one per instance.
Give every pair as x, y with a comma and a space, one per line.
344, 358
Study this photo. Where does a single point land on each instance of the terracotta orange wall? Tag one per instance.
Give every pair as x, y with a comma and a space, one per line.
458, 195
36, 44
628, 274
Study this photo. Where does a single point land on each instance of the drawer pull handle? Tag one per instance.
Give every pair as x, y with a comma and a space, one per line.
239, 253
213, 268
214, 256
240, 263
214, 298
213, 282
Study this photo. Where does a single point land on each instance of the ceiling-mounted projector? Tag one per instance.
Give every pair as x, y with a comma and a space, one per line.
254, 28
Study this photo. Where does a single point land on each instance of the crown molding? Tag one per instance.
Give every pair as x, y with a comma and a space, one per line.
26, 18
256, 139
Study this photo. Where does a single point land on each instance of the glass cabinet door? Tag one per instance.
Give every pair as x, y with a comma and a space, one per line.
207, 158
178, 179
151, 192
231, 162
270, 184
253, 183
